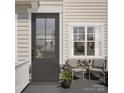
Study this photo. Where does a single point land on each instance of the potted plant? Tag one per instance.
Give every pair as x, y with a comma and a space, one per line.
66, 78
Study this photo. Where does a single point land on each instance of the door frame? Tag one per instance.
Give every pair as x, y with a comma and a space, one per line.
31, 36
61, 33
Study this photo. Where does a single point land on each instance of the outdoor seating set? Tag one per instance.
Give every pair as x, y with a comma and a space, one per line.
89, 66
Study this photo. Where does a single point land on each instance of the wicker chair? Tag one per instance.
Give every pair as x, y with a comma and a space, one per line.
98, 66
75, 66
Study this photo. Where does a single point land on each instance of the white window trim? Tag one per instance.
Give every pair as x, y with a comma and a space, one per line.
80, 24
16, 30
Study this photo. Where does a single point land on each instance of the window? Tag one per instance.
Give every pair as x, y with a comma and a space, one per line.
79, 40
86, 41
90, 41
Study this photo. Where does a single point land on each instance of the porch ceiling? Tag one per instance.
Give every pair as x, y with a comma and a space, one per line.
25, 1
35, 0
23, 5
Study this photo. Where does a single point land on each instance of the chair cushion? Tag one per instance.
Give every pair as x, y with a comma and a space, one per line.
98, 63
77, 69
96, 70
73, 63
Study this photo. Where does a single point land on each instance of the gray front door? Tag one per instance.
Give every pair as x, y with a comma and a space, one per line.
45, 47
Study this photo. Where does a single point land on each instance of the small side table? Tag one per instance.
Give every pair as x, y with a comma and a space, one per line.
84, 68
88, 68
106, 78
83, 71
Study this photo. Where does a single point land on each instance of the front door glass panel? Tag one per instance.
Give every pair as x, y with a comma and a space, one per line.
45, 38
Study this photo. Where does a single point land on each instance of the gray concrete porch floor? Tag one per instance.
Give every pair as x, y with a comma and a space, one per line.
78, 86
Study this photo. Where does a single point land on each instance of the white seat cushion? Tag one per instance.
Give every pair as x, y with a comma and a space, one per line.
77, 69
97, 70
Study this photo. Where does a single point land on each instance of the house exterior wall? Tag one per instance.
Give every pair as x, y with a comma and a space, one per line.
22, 33
23, 40
22, 47
71, 12
84, 12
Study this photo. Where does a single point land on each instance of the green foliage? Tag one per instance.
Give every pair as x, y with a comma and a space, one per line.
66, 75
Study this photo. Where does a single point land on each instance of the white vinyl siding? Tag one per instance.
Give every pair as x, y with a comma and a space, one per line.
84, 11
22, 37
22, 48
71, 11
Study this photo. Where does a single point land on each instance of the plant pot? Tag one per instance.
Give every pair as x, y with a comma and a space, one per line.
106, 78
66, 84
106, 81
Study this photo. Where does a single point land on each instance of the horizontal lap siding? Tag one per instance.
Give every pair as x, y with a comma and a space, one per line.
22, 37
22, 46
84, 11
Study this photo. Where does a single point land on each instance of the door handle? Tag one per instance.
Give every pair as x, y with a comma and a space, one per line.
33, 53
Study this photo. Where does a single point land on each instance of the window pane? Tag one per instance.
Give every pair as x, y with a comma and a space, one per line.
90, 29
90, 37
45, 38
76, 37
50, 49
40, 28
50, 28
75, 29
81, 29
40, 48
81, 37
90, 48
40, 38
79, 48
